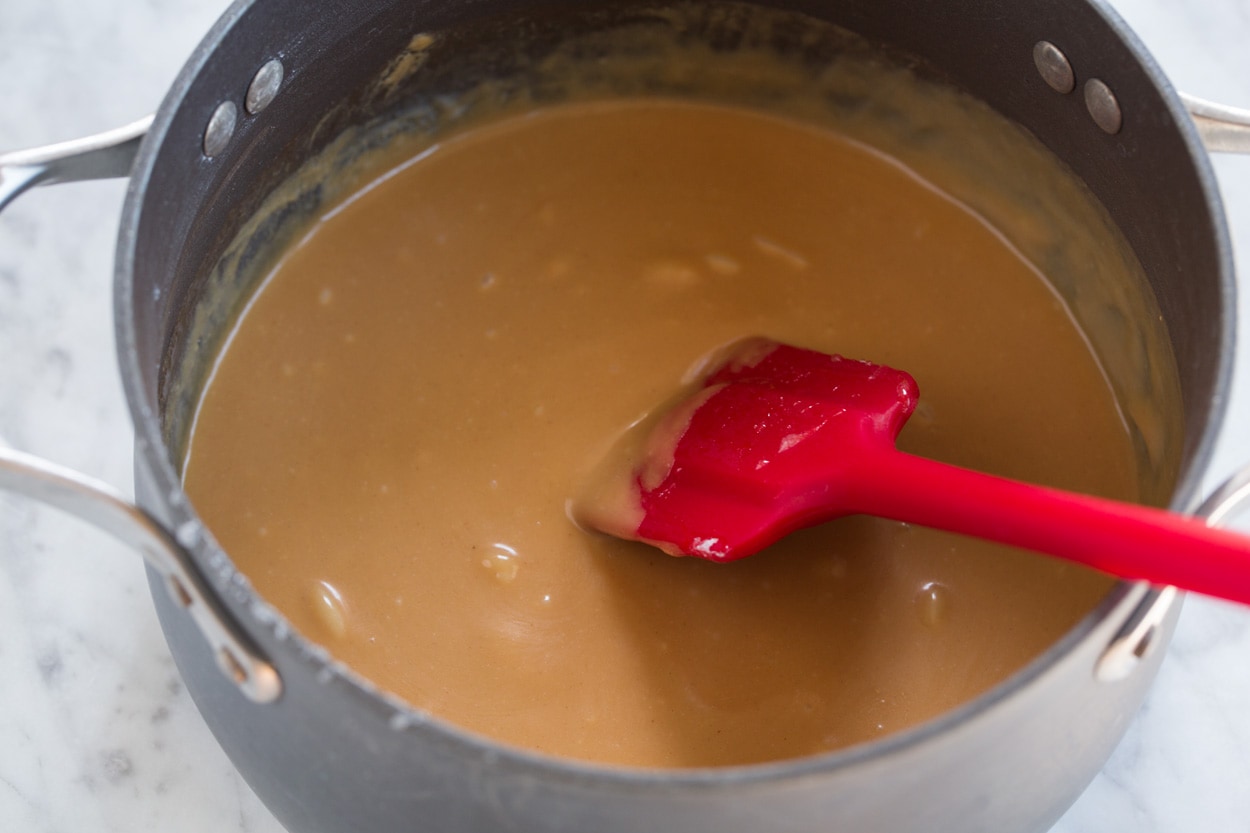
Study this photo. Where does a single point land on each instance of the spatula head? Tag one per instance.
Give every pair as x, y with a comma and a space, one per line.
764, 443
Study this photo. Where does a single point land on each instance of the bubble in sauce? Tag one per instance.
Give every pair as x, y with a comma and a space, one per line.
933, 603
330, 608
504, 561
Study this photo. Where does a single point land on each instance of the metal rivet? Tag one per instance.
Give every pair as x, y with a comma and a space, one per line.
188, 534
179, 592
1137, 639
230, 666
220, 128
1103, 107
264, 86
1142, 649
1054, 67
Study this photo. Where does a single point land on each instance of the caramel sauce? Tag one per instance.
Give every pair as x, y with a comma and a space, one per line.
389, 441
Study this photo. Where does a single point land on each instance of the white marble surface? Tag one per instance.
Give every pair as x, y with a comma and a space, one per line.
96, 731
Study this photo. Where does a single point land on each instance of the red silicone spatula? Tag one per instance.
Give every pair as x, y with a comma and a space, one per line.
777, 438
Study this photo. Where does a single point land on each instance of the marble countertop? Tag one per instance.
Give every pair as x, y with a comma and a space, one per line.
97, 732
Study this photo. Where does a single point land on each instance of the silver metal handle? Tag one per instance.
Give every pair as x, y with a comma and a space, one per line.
1228, 501
106, 155
102, 156
103, 507
1223, 129
1137, 637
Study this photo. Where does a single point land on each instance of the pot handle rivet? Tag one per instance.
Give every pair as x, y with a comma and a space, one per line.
1103, 106
179, 593
264, 87
1054, 67
220, 128
1135, 641
231, 667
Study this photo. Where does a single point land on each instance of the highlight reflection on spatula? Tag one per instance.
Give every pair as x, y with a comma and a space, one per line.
777, 438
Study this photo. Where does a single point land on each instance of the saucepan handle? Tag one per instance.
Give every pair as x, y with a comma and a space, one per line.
1223, 129
102, 156
1138, 636
104, 508
107, 155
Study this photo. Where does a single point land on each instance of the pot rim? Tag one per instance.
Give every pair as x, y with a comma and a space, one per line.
256, 615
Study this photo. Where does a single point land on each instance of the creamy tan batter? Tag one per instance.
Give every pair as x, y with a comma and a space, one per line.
391, 437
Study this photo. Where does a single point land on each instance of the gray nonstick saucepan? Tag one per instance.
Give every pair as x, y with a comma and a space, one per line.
274, 81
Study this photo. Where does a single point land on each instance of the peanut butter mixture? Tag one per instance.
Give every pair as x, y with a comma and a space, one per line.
391, 437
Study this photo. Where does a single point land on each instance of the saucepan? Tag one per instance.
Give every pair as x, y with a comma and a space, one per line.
273, 83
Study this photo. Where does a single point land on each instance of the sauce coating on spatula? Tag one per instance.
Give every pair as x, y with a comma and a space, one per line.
741, 456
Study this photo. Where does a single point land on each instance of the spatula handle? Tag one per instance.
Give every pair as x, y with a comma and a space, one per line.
1126, 540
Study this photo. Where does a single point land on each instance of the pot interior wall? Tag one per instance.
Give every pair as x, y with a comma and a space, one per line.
195, 206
